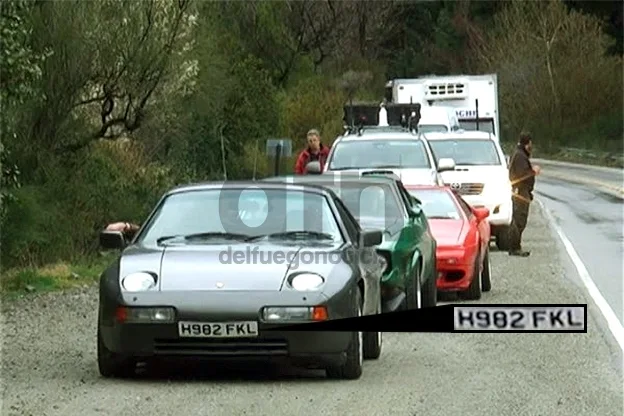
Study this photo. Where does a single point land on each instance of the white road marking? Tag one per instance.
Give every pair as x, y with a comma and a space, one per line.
613, 322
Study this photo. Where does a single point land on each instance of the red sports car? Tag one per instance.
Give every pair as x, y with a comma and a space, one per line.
463, 236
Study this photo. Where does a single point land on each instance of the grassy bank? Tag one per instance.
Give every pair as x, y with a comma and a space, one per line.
576, 155
19, 282
587, 157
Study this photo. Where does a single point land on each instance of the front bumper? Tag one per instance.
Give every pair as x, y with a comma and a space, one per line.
500, 209
153, 340
455, 275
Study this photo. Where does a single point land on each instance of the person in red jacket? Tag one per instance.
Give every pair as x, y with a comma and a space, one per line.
316, 151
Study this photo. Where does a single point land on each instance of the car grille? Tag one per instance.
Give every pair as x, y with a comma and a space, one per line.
467, 188
221, 348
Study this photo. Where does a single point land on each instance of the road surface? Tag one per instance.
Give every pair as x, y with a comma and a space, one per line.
592, 217
50, 368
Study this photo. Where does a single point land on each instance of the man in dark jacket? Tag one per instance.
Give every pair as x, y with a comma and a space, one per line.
316, 151
522, 176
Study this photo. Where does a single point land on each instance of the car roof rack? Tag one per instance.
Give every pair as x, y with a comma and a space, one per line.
366, 115
381, 172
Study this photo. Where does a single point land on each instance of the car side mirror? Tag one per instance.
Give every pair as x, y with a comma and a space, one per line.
314, 168
414, 212
481, 213
112, 240
446, 164
371, 238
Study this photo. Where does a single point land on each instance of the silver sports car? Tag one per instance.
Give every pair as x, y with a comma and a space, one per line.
216, 265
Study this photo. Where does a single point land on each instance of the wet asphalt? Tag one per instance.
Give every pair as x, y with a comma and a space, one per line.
593, 221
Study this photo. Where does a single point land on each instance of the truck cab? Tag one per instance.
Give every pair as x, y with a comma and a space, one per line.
438, 119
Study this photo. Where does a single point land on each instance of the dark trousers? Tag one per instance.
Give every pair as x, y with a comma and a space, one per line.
519, 220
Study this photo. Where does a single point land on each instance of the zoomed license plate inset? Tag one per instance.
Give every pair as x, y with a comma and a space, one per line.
244, 329
517, 318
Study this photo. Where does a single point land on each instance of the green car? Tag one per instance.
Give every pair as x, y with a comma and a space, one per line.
379, 201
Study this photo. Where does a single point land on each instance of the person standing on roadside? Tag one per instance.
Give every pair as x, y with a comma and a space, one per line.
315, 152
522, 176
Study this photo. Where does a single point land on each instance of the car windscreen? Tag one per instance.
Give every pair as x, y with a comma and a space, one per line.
365, 154
432, 128
373, 205
484, 125
466, 151
437, 203
247, 211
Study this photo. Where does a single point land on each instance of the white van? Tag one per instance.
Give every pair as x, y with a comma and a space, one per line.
437, 119
474, 165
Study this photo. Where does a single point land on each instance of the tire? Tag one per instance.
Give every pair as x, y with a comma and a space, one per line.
352, 368
430, 292
111, 364
414, 292
474, 290
373, 342
486, 282
502, 238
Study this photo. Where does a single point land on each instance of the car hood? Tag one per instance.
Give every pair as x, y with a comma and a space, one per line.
475, 174
447, 232
228, 267
425, 176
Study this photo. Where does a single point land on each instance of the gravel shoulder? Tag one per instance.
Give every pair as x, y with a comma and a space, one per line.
49, 363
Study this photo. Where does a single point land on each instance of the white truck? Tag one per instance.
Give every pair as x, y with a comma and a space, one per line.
473, 97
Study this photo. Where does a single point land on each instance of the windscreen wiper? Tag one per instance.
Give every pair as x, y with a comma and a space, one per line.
228, 236
299, 234
438, 217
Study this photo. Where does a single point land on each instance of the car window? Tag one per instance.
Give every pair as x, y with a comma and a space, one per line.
404, 195
467, 151
353, 228
372, 205
432, 128
437, 204
484, 125
251, 212
366, 154
464, 206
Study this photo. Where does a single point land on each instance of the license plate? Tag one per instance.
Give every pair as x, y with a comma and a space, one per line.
244, 329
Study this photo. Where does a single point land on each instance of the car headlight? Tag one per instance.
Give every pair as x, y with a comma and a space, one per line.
136, 282
451, 257
306, 281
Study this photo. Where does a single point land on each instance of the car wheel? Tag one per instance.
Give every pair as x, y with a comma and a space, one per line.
414, 292
430, 292
474, 290
111, 364
373, 342
352, 368
486, 283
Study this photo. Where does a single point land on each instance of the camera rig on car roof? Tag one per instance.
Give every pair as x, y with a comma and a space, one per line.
360, 115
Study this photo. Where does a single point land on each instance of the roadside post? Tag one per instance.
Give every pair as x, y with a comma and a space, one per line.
277, 148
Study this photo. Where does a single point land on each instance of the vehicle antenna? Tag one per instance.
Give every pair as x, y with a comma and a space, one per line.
223, 151
256, 160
